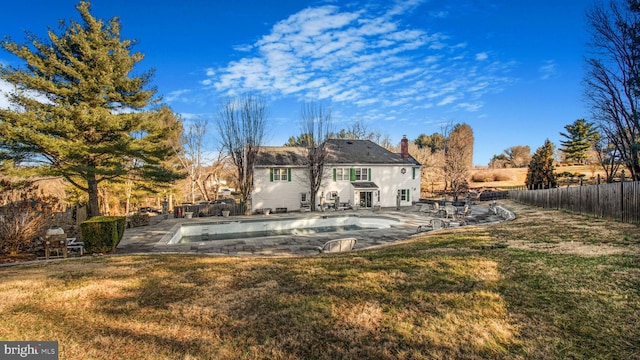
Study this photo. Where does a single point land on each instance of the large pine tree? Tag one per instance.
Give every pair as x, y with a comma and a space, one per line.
580, 137
77, 108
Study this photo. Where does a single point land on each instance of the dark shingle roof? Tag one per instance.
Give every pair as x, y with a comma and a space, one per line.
363, 152
282, 156
340, 151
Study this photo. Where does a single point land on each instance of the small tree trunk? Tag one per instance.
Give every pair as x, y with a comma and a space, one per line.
105, 201
128, 189
93, 208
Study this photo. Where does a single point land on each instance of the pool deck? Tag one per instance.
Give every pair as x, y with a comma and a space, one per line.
147, 239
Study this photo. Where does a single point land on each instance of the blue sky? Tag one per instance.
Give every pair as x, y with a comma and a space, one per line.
510, 69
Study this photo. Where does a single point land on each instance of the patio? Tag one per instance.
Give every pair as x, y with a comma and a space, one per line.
146, 239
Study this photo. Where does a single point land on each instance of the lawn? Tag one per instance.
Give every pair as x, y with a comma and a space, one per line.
548, 285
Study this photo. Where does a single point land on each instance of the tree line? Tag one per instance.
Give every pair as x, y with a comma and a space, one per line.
612, 90
80, 112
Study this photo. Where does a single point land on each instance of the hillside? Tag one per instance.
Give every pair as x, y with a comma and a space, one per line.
517, 176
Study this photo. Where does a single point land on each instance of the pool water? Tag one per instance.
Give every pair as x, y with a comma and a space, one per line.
265, 233
195, 231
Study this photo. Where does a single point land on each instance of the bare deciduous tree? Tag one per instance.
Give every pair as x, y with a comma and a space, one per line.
192, 157
241, 124
315, 121
607, 156
432, 165
519, 155
458, 158
610, 80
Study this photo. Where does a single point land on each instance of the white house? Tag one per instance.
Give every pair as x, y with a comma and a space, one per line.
356, 172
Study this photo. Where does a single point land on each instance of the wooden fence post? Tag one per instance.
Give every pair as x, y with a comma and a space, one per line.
580, 198
622, 196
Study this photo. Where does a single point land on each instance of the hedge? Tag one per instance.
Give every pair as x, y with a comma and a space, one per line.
102, 234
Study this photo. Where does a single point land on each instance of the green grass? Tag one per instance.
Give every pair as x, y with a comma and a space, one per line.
503, 292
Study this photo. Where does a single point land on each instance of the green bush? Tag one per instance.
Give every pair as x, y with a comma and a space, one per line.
136, 220
102, 234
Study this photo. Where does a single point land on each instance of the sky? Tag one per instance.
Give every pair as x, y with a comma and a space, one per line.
511, 69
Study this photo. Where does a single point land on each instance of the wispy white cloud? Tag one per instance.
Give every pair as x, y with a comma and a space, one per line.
548, 70
178, 95
243, 47
447, 100
367, 58
482, 56
470, 107
442, 14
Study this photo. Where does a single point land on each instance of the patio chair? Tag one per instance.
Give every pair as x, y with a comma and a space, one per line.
437, 224
74, 245
466, 216
338, 245
57, 243
435, 209
450, 211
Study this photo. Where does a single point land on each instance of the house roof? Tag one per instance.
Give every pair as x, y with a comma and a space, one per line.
282, 156
364, 185
340, 151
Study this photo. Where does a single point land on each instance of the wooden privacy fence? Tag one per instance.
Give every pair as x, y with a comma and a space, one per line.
618, 201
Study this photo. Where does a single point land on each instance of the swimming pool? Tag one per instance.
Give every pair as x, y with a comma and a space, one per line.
195, 231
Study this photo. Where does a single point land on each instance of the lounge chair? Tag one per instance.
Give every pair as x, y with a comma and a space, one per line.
434, 224
338, 245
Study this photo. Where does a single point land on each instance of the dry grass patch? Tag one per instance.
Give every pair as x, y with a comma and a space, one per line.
492, 175
455, 294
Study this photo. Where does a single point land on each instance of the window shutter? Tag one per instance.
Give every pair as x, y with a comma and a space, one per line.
289, 174
271, 175
408, 197
334, 174
369, 173
352, 174
414, 173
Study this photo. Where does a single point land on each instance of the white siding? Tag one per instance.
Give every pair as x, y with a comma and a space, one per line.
277, 194
388, 178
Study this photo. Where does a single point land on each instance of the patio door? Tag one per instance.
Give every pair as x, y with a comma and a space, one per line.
366, 199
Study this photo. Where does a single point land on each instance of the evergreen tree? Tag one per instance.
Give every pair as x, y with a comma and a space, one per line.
304, 140
540, 174
580, 137
435, 142
77, 109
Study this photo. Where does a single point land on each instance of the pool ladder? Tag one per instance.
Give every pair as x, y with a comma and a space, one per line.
204, 233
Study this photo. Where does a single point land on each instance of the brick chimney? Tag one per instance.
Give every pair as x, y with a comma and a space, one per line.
404, 147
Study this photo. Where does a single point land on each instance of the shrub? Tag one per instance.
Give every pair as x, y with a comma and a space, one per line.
136, 220
490, 175
501, 176
481, 176
102, 233
20, 224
